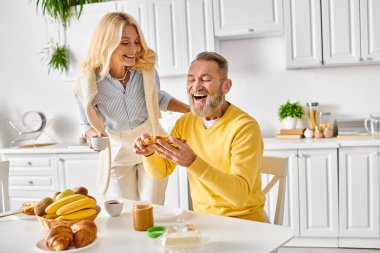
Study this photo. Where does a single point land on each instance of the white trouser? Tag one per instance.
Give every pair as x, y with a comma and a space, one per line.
128, 177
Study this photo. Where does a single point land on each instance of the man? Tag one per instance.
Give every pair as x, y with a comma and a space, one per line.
223, 148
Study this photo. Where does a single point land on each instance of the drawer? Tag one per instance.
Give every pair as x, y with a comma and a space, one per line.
31, 181
30, 161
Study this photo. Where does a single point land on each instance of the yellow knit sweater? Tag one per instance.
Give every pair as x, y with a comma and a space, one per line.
225, 177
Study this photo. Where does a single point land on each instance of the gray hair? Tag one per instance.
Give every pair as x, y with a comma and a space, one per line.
212, 56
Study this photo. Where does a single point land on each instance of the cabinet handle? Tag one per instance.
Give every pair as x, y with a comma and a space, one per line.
29, 163
250, 30
360, 59
30, 182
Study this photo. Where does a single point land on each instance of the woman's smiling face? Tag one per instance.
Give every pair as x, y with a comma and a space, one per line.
126, 52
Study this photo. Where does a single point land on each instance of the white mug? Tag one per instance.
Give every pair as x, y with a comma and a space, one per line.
374, 124
99, 143
114, 207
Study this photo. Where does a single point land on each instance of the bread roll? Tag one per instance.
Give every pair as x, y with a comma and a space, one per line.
59, 238
153, 139
84, 233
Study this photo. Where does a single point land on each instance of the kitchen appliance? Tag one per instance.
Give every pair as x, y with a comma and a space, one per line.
372, 124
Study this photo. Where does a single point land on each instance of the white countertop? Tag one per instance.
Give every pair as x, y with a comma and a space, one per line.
116, 234
269, 144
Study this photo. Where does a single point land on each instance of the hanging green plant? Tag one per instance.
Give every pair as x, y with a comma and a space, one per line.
59, 10
57, 57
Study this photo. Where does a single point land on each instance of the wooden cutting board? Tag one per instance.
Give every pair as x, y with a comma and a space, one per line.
343, 137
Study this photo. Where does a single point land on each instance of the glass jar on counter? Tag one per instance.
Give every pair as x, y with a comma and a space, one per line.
312, 114
142, 215
326, 124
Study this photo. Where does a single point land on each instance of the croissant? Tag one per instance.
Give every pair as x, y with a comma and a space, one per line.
153, 139
84, 233
59, 238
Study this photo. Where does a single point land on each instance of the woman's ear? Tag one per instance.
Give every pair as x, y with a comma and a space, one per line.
227, 86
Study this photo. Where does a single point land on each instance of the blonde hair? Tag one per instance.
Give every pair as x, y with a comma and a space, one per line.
106, 38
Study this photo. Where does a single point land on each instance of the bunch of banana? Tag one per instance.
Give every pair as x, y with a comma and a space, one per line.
67, 205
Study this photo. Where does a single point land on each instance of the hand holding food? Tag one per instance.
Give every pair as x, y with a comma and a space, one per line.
153, 140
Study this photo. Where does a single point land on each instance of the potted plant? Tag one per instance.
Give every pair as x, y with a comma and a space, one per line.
60, 12
57, 57
289, 113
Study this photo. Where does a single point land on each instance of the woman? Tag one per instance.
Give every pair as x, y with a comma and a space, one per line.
119, 97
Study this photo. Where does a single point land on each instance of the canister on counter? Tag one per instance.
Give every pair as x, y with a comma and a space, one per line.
142, 215
312, 114
326, 124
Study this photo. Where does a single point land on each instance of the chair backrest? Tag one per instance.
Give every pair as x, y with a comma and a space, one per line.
278, 167
4, 189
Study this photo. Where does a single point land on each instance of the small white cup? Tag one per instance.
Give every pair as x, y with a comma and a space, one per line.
99, 143
114, 207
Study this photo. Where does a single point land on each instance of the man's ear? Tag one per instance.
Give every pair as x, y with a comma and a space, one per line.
227, 85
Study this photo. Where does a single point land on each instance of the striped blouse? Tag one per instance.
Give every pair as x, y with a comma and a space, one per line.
122, 109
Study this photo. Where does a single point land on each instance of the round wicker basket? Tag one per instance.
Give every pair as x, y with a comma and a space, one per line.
49, 223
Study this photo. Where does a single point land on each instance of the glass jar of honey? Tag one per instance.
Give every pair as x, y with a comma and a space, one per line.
142, 215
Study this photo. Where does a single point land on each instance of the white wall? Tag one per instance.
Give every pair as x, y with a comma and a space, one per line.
257, 67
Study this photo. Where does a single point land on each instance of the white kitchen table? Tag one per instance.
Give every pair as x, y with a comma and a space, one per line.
116, 234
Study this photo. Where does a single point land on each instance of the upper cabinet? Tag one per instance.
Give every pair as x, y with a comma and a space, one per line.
176, 29
241, 18
327, 32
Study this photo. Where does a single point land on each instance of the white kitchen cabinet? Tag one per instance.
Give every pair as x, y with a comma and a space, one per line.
346, 31
303, 33
359, 196
311, 198
241, 18
79, 170
341, 31
318, 192
370, 30
31, 177
179, 30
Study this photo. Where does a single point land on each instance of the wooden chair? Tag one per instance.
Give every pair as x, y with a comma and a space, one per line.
4, 191
278, 167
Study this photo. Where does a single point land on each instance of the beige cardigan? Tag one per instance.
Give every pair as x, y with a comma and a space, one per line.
86, 88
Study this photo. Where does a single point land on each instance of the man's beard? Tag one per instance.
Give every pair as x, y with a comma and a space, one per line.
213, 102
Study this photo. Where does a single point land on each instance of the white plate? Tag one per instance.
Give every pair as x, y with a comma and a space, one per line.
34, 121
42, 246
23, 216
161, 213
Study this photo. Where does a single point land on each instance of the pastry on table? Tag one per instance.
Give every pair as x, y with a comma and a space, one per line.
153, 140
84, 233
59, 238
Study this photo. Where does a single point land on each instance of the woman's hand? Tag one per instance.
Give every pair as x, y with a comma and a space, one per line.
140, 149
91, 133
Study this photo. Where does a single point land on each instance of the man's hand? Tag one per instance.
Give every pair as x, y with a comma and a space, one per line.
182, 154
91, 133
140, 149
